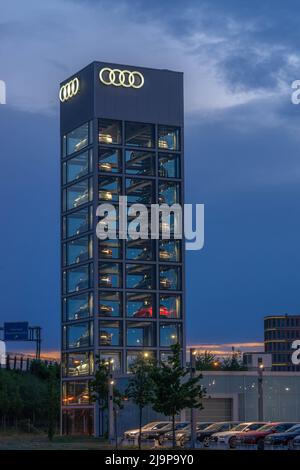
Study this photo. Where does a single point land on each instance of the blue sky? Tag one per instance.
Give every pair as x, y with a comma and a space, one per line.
242, 148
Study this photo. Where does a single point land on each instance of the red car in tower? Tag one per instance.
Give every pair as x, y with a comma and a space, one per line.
147, 312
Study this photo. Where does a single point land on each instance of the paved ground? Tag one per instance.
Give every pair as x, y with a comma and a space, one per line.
41, 442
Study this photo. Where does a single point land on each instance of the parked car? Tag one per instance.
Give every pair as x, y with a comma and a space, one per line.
82, 143
295, 443
106, 310
105, 138
283, 439
82, 312
256, 439
84, 197
228, 438
105, 280
82, 284
105, 195
105, 338
204, 436
160, 432
133, 433
184, 435
83, 256
147, 312
105, 166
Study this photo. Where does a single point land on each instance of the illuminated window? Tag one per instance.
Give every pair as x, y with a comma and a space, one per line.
110, 333
77, 167
77, 139
76, 393
170, 306
76, 279
76, 195
140, 163
110, 275
139, 134
140, 334
169, 334
169, 278
110, 160
140, 191
169, 165
113, 357
168, 138
77, 222
109, 188
110, 132
77, 364
139, 276
140, 305
78, 307
77, 251
169, 250
78, 335
110, 304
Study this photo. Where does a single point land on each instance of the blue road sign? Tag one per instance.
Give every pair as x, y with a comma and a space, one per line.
16, 331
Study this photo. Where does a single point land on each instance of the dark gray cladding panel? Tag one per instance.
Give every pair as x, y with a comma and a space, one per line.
80, 108
159, 100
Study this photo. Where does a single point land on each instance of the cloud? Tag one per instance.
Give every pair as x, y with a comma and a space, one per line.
42, 43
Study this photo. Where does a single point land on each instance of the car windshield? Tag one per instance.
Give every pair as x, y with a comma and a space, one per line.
202, 426
161, 425
266, 427
181, 426
239, 427
296, 427
149, 426
214, 427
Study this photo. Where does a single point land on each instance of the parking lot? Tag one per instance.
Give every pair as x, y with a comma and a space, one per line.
223, 435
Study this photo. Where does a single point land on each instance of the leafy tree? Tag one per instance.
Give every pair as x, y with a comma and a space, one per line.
99, 386
173, 390
207, 361
234, 362
53, 401
140, 387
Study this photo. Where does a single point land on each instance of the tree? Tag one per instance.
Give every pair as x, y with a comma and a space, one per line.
140, 387
233, 362
173, 391
207, 361
99, 386
53, 400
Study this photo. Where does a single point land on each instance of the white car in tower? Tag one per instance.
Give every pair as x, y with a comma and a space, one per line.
227, 439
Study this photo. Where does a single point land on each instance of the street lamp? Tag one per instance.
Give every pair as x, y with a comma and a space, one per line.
193, 353
260, 390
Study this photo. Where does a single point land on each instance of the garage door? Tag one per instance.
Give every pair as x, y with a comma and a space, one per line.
215, 409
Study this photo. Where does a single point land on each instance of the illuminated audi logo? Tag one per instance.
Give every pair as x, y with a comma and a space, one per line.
69, 90
124, 78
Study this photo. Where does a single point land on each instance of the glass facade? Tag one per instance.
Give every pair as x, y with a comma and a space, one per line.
119, 297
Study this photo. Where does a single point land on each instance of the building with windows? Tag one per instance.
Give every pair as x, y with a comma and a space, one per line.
279, 333
121, 134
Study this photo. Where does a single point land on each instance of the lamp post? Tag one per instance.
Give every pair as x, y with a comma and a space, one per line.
111, 430
260, 392
193, 353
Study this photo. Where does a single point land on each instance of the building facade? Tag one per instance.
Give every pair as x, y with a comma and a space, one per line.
121, 134
279, 333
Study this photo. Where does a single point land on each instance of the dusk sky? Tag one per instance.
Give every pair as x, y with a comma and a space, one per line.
242, 148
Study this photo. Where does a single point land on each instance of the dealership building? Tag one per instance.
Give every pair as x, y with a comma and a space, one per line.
121, 134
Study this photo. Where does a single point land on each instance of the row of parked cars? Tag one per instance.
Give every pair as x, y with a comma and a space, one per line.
223, 435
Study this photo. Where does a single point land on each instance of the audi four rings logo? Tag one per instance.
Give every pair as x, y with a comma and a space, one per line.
124, 78
69, 90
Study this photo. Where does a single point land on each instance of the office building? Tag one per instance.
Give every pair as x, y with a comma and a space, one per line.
279, 333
